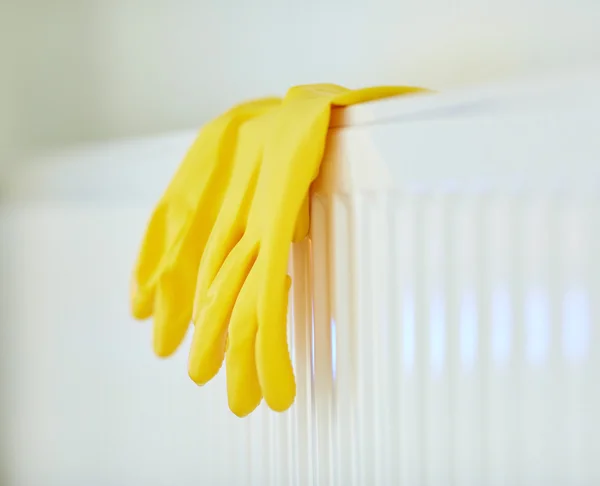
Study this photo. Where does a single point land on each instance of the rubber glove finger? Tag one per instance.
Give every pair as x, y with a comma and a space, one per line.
231, 221
303, 221
186, 236
174, 296
274, 365
173, 310
142, 304
145, 271
243, 389
208, 345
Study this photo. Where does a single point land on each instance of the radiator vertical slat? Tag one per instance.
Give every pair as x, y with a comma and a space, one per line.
377, 327
302, 295
405, 365
465, 343
536, 411
575, 326
343, 350
590, 368
384, 294
366, 341
323, 371
436, 459
499, 334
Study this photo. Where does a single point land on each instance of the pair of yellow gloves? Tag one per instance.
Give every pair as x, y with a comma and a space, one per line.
217, 245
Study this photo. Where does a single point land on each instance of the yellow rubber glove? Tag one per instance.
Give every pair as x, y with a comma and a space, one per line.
241, 294
164, 279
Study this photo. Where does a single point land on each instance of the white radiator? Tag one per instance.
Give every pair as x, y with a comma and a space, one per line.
444, 322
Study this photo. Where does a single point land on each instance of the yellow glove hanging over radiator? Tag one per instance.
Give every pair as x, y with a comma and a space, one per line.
241, 294
164, 279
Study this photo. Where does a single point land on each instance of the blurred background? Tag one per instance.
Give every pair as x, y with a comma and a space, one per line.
75, 71
83, 399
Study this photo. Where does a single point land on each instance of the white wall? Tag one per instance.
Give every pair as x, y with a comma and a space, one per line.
83, 400
99, 69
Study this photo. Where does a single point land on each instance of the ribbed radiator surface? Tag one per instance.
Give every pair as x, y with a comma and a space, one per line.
442, 338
